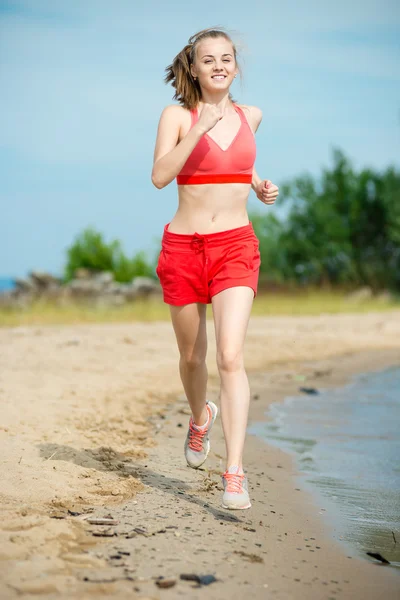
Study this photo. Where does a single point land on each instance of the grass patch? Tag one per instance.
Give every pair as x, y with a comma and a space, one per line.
48, 313
266, 304
317, 302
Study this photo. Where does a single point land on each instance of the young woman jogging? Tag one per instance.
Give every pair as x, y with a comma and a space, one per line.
209, 249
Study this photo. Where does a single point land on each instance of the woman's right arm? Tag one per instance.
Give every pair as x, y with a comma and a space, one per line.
169, 155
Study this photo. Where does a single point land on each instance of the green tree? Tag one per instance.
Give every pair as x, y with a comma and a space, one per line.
91, 252
342, 228
269, 230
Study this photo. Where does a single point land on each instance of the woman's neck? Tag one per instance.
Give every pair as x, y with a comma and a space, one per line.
221, 99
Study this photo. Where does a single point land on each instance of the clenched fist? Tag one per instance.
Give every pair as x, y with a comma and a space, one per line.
210, 115
267, 192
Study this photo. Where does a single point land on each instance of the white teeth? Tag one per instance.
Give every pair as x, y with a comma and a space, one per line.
218, 76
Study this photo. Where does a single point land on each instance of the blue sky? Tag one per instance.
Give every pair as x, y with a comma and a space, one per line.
82, 92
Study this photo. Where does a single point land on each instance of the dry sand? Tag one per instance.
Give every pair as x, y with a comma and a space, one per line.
92, 424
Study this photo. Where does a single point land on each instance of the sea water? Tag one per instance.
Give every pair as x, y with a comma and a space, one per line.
6, 284
347, 445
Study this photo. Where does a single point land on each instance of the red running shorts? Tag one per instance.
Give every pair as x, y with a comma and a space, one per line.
193, 268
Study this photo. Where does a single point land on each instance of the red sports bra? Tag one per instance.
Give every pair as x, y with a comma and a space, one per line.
209, 163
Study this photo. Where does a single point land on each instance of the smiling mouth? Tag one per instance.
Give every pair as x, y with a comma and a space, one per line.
219, 77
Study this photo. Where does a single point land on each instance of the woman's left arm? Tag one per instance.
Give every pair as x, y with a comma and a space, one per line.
264, 189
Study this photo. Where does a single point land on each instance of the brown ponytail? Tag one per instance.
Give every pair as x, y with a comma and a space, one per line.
187, 89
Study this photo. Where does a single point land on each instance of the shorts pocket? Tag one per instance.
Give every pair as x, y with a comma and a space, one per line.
253, 256
160, 263
168, 266
256, 256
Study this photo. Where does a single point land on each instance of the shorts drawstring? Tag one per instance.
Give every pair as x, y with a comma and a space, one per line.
199, 243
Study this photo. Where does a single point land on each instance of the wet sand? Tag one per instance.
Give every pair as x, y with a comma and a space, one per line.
93, 424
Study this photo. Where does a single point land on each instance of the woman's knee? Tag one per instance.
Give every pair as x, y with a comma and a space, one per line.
192, 361
229, 360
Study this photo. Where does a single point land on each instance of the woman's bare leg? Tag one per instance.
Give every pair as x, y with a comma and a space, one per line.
231, 310
189, 323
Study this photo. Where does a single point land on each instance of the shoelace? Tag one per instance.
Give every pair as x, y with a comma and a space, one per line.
234, 482
196, 437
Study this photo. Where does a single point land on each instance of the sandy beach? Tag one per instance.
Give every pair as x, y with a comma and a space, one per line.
92, 426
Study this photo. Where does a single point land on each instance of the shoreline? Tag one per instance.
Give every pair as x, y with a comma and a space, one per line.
325, 376
105, 448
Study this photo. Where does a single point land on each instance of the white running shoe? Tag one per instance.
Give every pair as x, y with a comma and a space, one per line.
197, 444
236, 490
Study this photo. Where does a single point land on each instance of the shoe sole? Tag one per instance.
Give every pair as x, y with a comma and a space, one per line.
236, 507
209, 445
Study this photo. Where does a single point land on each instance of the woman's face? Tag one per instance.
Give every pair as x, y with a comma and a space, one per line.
215, 64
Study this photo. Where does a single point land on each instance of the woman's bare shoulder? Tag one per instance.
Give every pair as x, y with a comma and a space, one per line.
253, 114
173, 121
175, 112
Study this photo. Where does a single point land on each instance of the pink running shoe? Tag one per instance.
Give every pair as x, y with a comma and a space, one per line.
236, 491
197, 444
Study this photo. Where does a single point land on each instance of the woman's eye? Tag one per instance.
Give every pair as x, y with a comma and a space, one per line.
226, 60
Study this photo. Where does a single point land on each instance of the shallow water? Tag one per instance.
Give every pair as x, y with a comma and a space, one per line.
347, 445
6, 283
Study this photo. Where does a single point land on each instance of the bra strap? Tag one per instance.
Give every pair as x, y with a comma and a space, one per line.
240, 113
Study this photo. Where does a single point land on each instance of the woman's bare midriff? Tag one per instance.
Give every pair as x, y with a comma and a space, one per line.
210, 208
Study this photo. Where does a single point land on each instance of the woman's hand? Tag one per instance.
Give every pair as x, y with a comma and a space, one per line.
210, 115
267, 192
